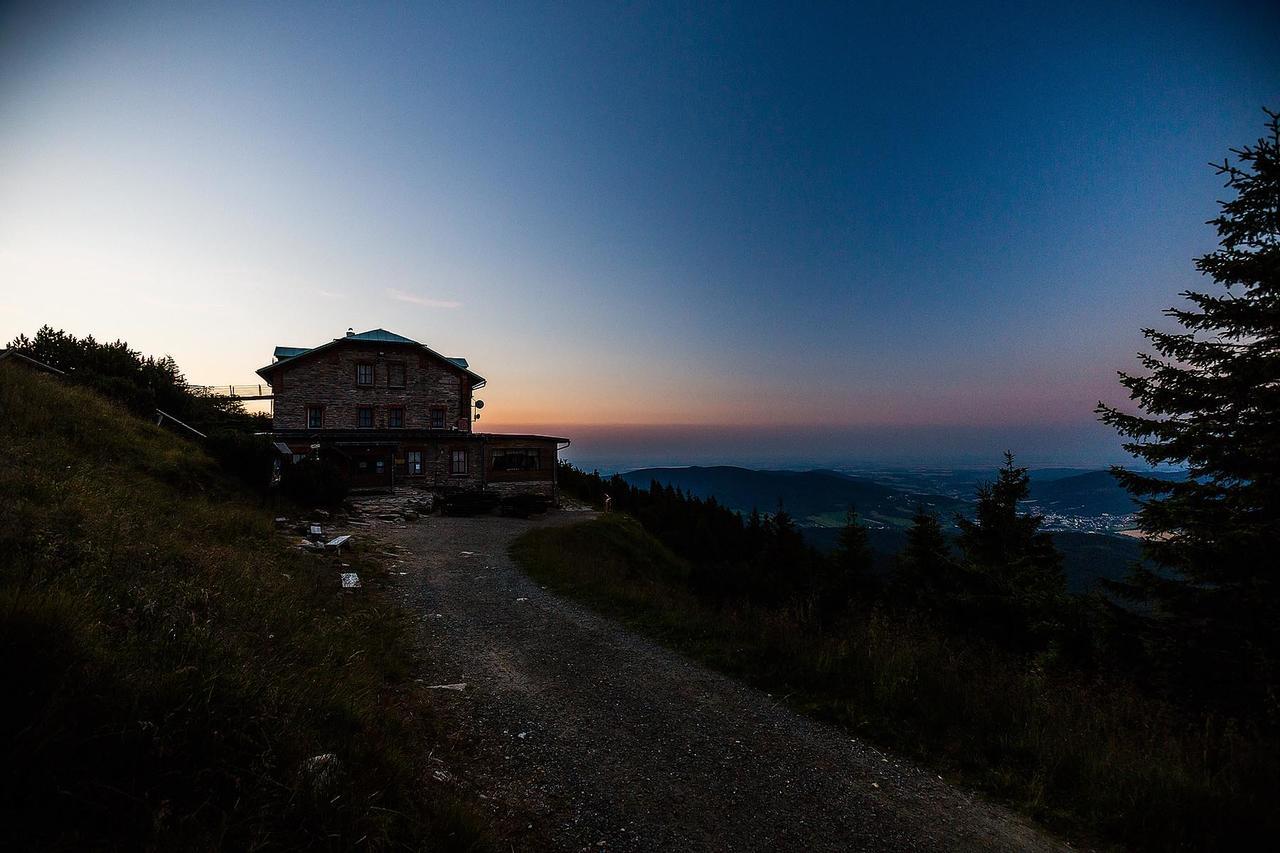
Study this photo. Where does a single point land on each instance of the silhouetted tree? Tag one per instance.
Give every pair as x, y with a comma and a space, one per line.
1210, 400
848, 575
925, 574
1017, 571
141, 383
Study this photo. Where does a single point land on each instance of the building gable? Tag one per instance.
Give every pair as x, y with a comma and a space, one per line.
289, 356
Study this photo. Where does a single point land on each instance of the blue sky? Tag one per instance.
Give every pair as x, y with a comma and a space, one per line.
850, 220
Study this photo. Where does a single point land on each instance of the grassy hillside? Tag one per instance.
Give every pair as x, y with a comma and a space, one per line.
1080, 753
176, 677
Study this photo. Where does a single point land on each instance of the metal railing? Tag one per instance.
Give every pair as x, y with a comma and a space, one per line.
238, 392
161, 417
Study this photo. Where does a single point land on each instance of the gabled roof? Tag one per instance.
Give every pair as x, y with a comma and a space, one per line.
382, 335
284, 354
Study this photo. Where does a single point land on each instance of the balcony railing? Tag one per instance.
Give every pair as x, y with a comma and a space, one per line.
236, 392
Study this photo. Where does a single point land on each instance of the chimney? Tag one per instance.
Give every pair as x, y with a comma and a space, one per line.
350, 332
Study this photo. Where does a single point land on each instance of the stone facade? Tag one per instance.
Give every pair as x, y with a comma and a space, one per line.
327, 380
384, 432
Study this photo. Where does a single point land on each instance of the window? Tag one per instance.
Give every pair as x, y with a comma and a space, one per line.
458, 461
380, 466
437, 417
395, 417
395, 374
414, 458
364, 417
364, 374
315, 417
519, 459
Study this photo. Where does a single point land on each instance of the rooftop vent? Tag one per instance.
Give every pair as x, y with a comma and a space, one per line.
350, 332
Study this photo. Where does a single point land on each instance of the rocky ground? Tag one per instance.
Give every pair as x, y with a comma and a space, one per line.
579, 735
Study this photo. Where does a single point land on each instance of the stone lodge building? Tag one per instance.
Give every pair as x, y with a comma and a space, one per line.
389, 410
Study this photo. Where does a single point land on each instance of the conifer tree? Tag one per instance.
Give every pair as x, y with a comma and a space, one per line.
847, 575
1015, 566
925, 574
1210, 401
852, 555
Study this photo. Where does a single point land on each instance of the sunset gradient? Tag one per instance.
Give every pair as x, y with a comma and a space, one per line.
761, 235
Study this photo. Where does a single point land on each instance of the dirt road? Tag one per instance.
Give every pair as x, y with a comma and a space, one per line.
580, 735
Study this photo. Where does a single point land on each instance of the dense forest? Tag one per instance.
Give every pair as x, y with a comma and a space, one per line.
1001, 578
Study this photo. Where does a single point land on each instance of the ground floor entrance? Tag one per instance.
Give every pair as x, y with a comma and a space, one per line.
447, 462
369, 467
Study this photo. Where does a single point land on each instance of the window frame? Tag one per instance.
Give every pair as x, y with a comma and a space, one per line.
360, 367
528, 453
395, 413
410, 462
443, 412
319, 409
453, 462
404, 374
360, 411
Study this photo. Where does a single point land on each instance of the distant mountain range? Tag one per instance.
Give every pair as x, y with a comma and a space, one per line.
815, 498
820, 498
1090, 494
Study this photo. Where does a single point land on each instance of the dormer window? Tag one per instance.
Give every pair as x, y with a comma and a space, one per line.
364, 374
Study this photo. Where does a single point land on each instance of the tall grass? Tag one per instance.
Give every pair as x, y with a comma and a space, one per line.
1094, 759
172, 670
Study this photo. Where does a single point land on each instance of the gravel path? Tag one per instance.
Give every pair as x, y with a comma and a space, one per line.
580, 735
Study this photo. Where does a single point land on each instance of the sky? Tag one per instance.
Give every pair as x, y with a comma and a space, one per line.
782, 234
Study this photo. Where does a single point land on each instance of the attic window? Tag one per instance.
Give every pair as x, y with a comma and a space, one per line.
364, 374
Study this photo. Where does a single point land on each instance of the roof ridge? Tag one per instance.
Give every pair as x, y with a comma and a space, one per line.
381, 334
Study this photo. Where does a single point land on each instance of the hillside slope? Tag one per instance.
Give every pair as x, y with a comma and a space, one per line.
1090, 494
175, 676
